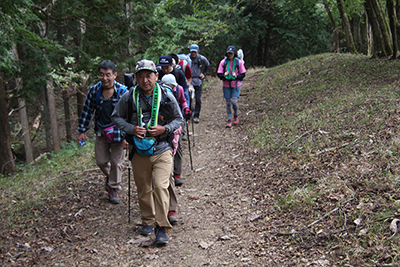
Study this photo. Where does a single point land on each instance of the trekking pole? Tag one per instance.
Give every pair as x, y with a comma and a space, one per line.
190, 151
129, 189
191, 105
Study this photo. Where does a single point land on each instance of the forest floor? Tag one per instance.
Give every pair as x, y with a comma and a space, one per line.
229, 212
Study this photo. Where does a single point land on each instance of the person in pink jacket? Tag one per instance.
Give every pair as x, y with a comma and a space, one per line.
231, 71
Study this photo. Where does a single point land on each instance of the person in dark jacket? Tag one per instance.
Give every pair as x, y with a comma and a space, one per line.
155, 115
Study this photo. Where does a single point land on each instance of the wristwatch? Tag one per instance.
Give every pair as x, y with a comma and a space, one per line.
167, 130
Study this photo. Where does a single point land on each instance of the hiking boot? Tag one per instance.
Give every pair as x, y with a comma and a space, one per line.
172, 217
196, 120
184, 137
229, 123
146, 230
178, 180
106, 185
235, 119
161, 236
113, 195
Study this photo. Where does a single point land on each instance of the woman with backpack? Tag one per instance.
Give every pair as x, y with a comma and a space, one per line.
231, 71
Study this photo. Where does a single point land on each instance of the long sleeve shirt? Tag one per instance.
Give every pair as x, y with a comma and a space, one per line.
93, 106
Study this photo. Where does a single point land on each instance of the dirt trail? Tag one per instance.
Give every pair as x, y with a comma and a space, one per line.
221, 213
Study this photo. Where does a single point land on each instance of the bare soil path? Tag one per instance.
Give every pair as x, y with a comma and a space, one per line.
223, 212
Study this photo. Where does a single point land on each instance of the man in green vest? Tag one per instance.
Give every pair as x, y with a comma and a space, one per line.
150, 115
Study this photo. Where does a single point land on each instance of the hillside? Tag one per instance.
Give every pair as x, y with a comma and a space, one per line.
308, 178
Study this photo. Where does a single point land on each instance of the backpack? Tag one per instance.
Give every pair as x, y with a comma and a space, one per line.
129, 80
175, 94
236, 63
197, 59
240, 54
122, 89
185, 58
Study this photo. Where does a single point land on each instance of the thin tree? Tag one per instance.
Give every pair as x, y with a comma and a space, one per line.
392, 24
346, 27
7, 164
23, 116
335, 48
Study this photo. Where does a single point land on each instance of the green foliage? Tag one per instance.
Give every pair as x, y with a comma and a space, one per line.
14, 16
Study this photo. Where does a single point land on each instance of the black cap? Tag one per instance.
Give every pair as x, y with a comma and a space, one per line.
231, 49
165, 60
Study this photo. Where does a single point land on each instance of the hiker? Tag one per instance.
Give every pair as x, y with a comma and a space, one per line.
231, 71
199, 68
184, 66
169, 81
110, 144
149, 114
167, 67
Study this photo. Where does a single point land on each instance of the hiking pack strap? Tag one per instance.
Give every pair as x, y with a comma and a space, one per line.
154, 108
99, 95
230, 76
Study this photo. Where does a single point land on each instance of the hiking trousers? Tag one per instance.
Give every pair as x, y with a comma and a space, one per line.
152, 178
110, 158
197, 107
173, 200
178, 157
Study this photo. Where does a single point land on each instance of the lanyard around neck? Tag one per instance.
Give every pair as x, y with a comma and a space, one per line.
154, 108
230, 76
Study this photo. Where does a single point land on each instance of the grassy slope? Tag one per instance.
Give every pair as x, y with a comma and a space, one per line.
330, 135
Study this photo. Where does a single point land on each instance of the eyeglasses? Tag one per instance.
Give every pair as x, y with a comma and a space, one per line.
107, 75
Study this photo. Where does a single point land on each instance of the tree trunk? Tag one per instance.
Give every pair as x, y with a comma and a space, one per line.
51, 102
25, 128
365, 35
377, 44
47, 120
392, 24
397, 8
346, 27
380, 14
335, 47
67, 113
80, 99
7, 164
355, 29
53, 115
24, 117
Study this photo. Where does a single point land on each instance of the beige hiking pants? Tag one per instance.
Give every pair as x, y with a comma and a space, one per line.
152, 178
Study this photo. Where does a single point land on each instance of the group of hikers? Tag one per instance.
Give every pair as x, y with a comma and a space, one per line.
148, 119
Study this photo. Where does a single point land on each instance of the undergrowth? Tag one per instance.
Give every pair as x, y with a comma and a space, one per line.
332, 119
41, 181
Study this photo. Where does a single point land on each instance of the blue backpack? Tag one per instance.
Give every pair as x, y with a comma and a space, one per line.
122, 89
